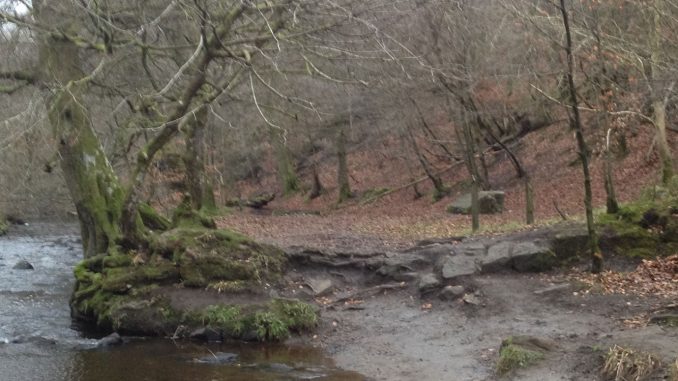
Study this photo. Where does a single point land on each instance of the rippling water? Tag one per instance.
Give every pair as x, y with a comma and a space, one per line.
39, 343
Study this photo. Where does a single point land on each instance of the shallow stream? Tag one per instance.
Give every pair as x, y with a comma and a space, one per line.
38, 341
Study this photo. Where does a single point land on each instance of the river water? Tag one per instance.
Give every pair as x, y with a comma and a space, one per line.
39, 342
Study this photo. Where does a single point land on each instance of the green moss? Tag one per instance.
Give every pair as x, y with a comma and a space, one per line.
512, 357
643, 229
3, 226
272, 321
225, 318
269, 326
206, 256
185, 216
295, 314
152, 219
121, 279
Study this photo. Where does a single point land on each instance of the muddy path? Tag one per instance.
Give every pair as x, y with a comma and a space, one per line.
381, 318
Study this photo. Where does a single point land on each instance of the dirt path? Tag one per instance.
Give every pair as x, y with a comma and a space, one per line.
393, 338
397, 334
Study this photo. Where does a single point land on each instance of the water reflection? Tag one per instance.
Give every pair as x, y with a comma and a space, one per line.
163, 360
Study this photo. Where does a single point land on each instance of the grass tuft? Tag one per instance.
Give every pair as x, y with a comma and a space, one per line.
625, 364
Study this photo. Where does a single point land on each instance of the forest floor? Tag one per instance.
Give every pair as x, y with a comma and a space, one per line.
399, 335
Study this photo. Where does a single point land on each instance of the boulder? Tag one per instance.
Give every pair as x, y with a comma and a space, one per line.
428, 282
206, 334
531, 257
453, 266
319, 286
23, 265
569, 241
110, 340
217, 358
498, 257
490, 202
451, 292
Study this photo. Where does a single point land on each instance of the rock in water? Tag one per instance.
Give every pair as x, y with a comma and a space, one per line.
23, 265
206, 334
217, 358
110, 340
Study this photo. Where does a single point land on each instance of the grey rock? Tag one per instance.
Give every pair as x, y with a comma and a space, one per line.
490, 202
217, 358
319, 286
23, 265
451, 292
435, 250
428, 282
454, 266
528, 256
472, 249
110, 340
569, 241
37, 340
471, 299
398, 265
206, 334
498, 257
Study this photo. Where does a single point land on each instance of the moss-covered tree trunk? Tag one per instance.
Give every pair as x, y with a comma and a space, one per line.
94, 187
659, 104
611, 200
575, 122
286, 172
197, 180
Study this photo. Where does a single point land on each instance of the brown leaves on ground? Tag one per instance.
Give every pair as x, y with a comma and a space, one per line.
657, 277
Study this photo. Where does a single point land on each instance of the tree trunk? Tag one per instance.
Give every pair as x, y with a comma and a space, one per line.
93, 186
659, 110
439, 190
316, 187
342, 167
529, 201
475, 206
659, 104
286, 172
197, 181
611, 203
575, 121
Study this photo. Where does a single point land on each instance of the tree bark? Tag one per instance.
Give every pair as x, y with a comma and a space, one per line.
611, 200
286, 172
575, 121
198, 182
93, 186
659, 104
342, 167
475, 206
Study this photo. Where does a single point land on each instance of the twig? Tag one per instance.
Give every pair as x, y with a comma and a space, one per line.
562, 215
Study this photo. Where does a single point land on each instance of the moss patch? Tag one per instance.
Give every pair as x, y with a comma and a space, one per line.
118, 291
3, 226
273, 321
512, 357
205, 256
